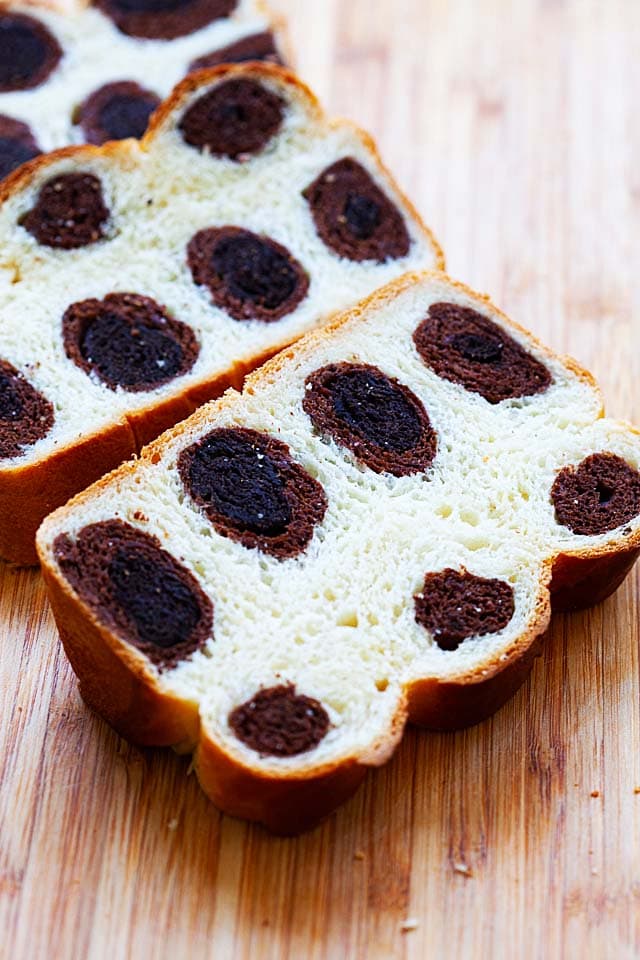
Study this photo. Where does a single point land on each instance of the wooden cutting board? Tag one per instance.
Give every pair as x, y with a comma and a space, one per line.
514, 126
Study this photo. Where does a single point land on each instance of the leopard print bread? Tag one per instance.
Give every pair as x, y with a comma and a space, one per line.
139, 279
375, 531
88, 74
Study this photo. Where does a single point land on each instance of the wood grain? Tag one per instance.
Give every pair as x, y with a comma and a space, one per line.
514, 127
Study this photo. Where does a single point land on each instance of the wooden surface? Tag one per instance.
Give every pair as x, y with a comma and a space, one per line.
514, 126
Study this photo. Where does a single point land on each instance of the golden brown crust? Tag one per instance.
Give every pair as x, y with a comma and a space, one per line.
25, 175
454, 704
29, 493
145, 424
150, 422
581, 582
194, 81
286, 806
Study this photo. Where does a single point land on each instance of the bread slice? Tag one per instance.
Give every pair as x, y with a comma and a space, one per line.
92, 73
373, 532
139, 279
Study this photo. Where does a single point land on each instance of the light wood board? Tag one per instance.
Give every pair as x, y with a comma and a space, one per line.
514, 126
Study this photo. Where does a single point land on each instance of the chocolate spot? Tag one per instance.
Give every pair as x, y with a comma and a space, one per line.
235, 119
478, 349
164, 19
137, 589
28, 52
17, 145
260, 46
250, 277
463, 346
253, 491
454, 606
70, 212
116, 111
279, 722
379, 419
128, 341
25, 415
599, 495
354, 217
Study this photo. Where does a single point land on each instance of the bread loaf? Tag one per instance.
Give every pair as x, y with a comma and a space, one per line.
92, 73
139, 279
375, 531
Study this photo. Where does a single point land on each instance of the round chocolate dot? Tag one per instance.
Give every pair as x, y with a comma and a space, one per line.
248, 276
598, 495
259, 46
354, 217
70, 212
116, 111
137, 589
28, 52
236, 119
379, 419
279, 722
164, 19
465, 347
455, 605
17, 145
252, 490
128, 341
25, 415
